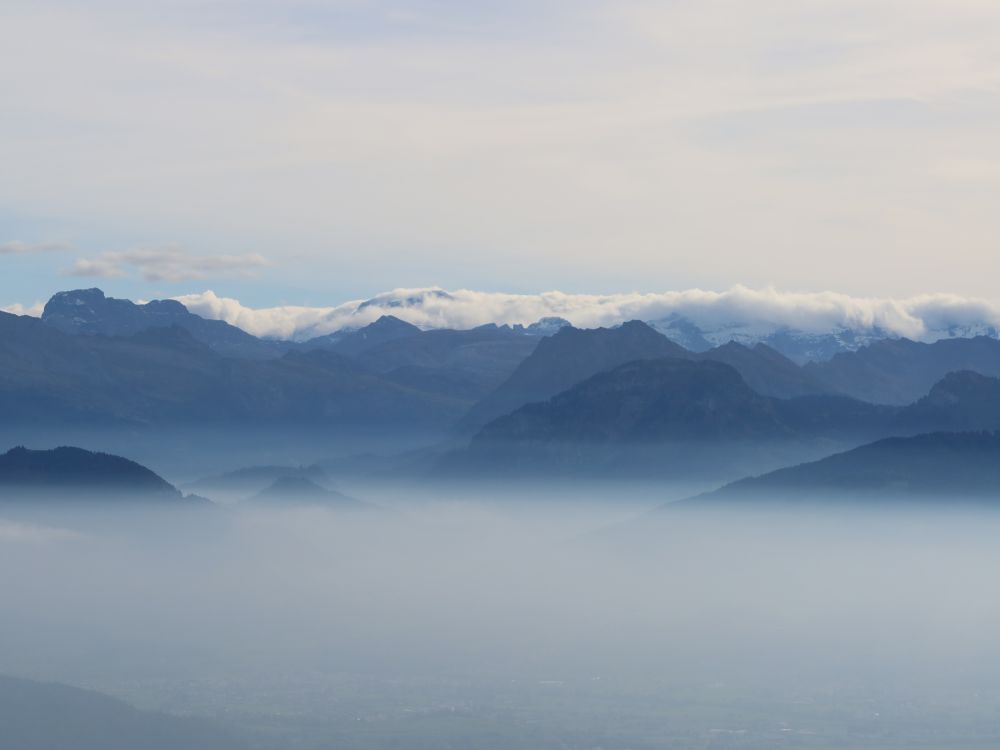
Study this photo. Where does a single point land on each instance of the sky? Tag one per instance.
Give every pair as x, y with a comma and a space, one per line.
292, 152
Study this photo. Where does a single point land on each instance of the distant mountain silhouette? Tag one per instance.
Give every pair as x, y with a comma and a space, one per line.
255, 478
73, 472
545, 326
460, 364
573, 355
164, 376
647, 400
798, 345
157, 365
959, 401
90, 312
900, 371
702, 409
47, 716
767, 371
569, 357
386, 328
946, 466
299, 491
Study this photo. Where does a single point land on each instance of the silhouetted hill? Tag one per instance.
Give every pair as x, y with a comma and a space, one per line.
941, 465
959, 401
767, 371
73, 472
385, 329
90, 312
466, 364
463, 364
643, 401
255, 478
298, 491
667, 416
569, 357
46, 716
900, 371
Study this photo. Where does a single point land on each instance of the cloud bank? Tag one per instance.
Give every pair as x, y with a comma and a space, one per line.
739, 309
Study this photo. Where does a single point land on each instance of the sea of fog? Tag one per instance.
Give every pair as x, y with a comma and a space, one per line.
532, 616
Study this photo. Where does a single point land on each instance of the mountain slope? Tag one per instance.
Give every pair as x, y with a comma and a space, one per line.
46, 716
900, 371
351, 343
570, 356
960, 401
643, 401
90, 312
298, 491
164, 376
669, 417
935, 465
73, 472
767, 371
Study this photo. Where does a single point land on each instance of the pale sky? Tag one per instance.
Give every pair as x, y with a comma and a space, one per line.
296, 152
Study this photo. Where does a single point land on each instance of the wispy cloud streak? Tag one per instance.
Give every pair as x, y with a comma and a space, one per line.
18, 247
169, 264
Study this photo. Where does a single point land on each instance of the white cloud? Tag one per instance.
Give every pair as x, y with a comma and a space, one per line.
17, 247
169, 264
922, 317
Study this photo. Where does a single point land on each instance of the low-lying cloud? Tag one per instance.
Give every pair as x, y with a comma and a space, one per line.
738, 309
169, 264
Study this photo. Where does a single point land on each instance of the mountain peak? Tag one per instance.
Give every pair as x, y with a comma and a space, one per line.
391, 323
300, 490
90, 312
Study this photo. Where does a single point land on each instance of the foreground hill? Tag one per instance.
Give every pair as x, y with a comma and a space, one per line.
45, 716
69, 473
943, 465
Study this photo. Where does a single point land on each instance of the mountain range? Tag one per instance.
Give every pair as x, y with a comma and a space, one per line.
97, 361
90, 312
661, 409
